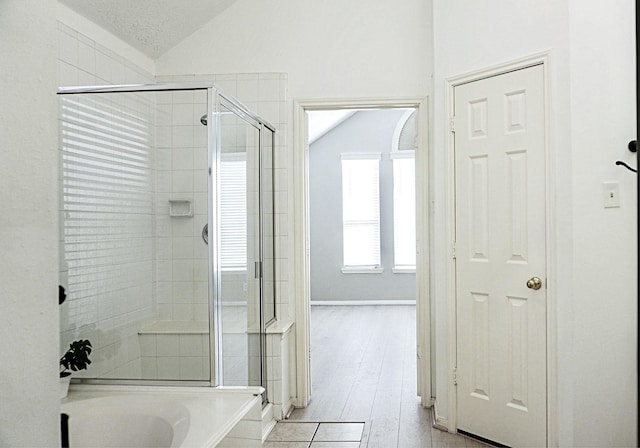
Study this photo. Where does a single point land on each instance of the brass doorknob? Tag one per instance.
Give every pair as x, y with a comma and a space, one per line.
534, 283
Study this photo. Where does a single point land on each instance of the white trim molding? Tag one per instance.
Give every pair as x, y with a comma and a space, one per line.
403, 270
361, 156
301, 243
437, 421
450, 421
362, 270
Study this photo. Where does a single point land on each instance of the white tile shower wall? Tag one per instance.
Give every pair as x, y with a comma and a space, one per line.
111, 292
181, 174
265, 94
280, 379
175, 356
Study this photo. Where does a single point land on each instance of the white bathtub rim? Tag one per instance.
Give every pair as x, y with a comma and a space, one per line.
198, 435
81, 387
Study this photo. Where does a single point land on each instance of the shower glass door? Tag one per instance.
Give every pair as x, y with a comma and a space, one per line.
241, 322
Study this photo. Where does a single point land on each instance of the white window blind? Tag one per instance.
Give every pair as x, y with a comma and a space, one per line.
107, 202
404, 210
361, 210
233, 211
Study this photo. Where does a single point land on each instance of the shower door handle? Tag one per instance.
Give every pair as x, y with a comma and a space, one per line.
258, 269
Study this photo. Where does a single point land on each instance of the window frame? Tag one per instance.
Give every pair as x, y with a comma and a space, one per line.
402, 268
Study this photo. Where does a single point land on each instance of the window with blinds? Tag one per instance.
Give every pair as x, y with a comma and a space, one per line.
404, 210
361, 210
233, 211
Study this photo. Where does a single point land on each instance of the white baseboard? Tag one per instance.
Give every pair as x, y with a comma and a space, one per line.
285, 410
361, 302
439, 422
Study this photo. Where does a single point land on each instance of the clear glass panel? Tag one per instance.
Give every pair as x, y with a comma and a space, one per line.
239, 214
134, 176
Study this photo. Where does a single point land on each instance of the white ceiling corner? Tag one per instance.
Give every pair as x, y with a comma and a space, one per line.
151, 26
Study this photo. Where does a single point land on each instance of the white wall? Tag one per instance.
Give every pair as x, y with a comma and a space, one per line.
29, 385
603, 121
329, 49
592, 117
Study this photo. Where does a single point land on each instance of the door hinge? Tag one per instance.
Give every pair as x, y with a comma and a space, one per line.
452, 124
258, 269
455, 376
453, 250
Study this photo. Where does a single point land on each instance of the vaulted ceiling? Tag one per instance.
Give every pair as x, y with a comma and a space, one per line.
151, 26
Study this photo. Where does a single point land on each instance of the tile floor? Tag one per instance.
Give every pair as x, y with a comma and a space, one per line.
316, 435
352, 435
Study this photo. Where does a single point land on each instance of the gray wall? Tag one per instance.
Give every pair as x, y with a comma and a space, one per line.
364, 131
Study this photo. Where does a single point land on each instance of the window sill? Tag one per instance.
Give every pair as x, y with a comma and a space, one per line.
362, 270
403, 270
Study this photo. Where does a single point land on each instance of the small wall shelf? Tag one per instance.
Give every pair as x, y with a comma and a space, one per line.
180, 207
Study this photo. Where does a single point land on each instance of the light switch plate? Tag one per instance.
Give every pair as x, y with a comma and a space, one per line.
611, 194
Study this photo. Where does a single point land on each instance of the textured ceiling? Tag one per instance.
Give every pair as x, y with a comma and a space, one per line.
151, 26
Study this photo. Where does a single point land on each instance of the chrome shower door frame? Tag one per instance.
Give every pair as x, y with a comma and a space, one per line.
215, 101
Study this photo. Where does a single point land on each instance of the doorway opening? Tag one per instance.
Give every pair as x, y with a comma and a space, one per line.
344, 275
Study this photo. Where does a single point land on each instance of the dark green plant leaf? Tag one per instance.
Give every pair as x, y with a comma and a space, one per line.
77, 356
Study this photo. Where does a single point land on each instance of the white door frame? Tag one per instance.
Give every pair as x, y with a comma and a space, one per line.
552, 380
301, 240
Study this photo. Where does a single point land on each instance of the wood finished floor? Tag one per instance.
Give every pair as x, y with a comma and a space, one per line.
363, 365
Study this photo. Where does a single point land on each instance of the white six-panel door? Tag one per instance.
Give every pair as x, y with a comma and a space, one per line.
500, 246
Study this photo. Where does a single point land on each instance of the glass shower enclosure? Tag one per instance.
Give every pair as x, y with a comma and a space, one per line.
167, 242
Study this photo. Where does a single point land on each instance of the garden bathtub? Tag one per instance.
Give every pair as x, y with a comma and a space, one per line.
144, 416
